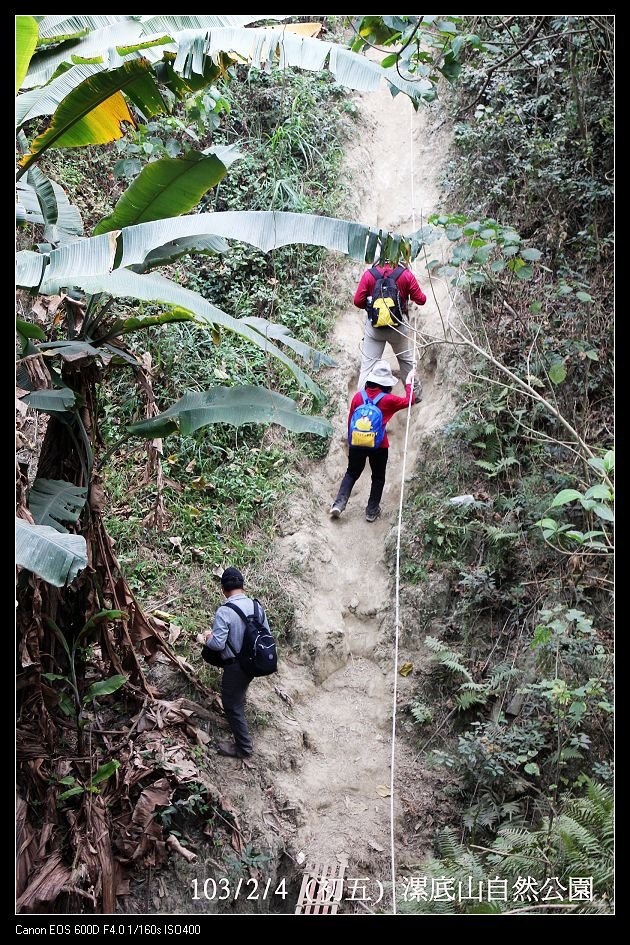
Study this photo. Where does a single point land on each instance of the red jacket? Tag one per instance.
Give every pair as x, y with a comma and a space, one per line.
407, 286
388, 405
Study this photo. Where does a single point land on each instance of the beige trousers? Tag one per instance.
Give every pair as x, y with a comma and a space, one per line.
373, 346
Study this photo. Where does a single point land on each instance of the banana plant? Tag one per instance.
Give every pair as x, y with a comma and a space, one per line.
264, 229
71, 700
160, 38
55, 558
89, 94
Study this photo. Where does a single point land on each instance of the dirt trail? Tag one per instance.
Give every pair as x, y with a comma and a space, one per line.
331, 749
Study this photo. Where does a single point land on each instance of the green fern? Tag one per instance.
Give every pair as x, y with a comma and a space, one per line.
487, 465
500, 675
497, 535
447, 657
458, 864
577, 842
493, 469
421, 713
568, 754
447, 845
493, 446
470, 694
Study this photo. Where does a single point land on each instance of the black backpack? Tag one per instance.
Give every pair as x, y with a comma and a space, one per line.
258, 655
387, 309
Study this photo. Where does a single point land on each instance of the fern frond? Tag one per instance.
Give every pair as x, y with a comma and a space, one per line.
435, 645
576, 842
466, 700
488, 466
501, 674
493, 446
447, 657
497, 535
447, 845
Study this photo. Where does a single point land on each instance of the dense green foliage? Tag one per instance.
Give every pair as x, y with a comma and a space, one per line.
221, 481
523, 654
575, 845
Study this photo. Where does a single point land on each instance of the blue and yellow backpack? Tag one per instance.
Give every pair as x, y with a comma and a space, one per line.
366, 423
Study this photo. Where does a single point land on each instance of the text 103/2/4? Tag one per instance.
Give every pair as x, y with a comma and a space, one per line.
223, 889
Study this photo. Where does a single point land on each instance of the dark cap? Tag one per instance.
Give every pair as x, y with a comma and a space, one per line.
231, 579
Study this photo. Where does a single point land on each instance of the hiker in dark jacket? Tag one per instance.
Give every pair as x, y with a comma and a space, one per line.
375, 339
379, 381
226, 637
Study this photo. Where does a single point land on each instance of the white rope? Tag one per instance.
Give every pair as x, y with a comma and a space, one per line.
400, 509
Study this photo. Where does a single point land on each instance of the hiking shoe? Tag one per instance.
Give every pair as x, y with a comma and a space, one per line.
230, 750
337, 507
372, 513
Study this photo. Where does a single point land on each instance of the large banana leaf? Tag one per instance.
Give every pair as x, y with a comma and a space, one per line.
281, 333
123, 326
200, 21
106, 32
55, 558
145, 94
165, 188
69, 224
265, 229
52, 501
57, 400
27, 207
90, 257
155, 288
45, 195
53, 26
232, 405
262, 46
92, 113
72, 351
45, 100
98, 42
26, 31
187, 246
45, 202
29, 268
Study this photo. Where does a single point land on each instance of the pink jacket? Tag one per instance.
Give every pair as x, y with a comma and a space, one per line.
407, 286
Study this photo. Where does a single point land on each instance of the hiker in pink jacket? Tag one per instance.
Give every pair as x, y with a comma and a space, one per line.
398, 336
370, 410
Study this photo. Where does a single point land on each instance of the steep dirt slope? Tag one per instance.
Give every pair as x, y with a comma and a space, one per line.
318, 782
336, 569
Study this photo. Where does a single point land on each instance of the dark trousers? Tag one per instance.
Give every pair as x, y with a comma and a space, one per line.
233, 692
357, 458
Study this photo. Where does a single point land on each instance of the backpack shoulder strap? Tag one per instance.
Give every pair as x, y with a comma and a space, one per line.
397, 273
236, 609
378, 397
375, 272
364, 397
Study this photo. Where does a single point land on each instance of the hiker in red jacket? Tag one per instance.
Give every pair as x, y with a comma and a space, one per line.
367, 429
398, 336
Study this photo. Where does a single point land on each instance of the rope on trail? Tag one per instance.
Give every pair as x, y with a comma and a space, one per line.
399, 528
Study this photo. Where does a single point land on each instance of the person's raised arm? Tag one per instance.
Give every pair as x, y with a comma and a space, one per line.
217, 637
415, 292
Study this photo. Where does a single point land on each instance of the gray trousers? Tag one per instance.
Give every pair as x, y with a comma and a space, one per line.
233, 692
373, 345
